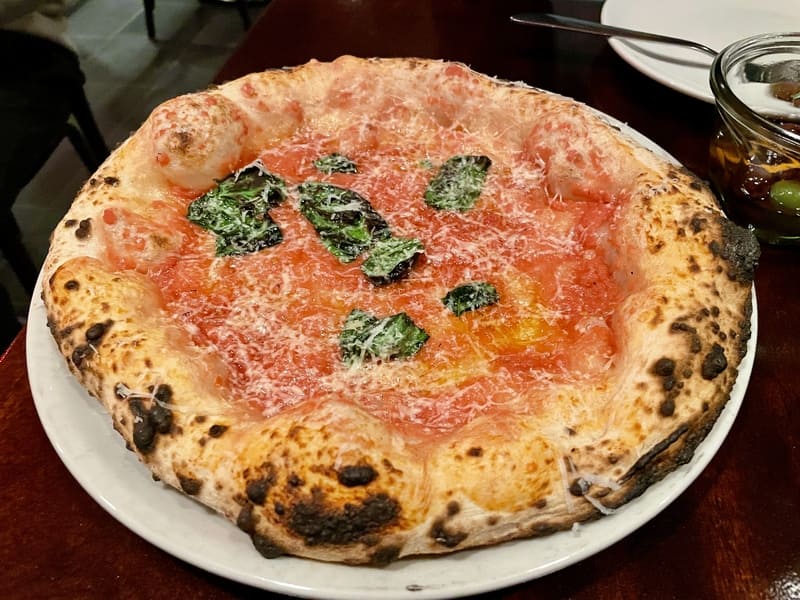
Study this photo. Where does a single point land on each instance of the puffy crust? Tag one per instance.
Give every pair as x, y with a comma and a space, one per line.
329, 481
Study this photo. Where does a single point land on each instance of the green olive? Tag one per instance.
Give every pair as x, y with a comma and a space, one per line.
786, 193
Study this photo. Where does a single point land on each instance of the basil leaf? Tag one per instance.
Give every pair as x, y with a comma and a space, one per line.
365, 337
458, 183
470, 296
391, 259
335, 163
345, 221
236, 211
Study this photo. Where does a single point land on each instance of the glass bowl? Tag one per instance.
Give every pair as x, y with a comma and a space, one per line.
755, 150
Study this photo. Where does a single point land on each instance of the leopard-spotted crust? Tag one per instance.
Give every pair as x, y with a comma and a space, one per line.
332, 482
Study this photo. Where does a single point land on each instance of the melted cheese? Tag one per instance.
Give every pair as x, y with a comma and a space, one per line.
275, 316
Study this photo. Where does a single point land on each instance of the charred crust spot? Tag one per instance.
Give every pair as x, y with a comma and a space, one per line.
280, 509
355, 475
161, 417
668, 383
579, 487
319, 523
245, 520
148, 423
96, 332
475, 452
442, 535
739, 248
385, 555
541, 529
190, 485
163, 393
541, 503
144, 433
112, 181
693, 266
266, 547
653, 453
698, 224
714, 362
84, 229
72, 285
664, 367
453, 508
200, 419
683, 327
80, 353
667, 407
216, 431
696, 344
257, 489
71, 222
696, 185
295, 480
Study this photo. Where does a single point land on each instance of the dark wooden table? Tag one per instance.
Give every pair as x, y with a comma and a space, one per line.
735, 533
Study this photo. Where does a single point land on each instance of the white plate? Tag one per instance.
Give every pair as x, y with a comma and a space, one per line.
95, 454
714, 23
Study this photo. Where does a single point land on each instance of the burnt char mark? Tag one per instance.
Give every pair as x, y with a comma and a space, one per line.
698, 224
384, 555
80, 353
190, 485
739, 248
645, 460
579, 487
147, 424
267, 547
246, 520
112, 181
641, 477
714, 363
667, 407
664, 367
84, 229
72, 285
144, 433
216, 431
96, 332
746, 327
258, 489
355, 475
442, 535
319, 523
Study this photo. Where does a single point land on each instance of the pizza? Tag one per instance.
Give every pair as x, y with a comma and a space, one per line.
377, 308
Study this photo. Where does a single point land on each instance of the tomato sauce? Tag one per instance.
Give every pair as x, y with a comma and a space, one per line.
275, 315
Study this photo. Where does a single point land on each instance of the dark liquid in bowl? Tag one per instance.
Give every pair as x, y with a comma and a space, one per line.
743, 179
